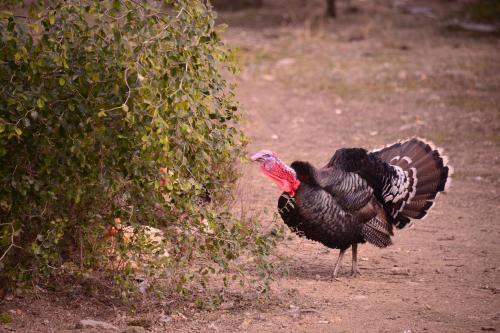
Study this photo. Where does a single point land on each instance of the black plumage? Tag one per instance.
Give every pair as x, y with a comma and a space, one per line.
359, 195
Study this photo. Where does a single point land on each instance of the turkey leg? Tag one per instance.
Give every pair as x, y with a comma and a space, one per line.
337, 264
355, 270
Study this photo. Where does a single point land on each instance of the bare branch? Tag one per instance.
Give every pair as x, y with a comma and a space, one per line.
12, 244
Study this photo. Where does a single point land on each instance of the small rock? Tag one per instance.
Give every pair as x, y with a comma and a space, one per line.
164, 318
143, 286
95, 324
406, 127
45, 321
399, 271
427, 306
274, 137
402, 75
180, 315
267, 77
244, 324
476, 27
227, 306
434, 97
134, 329
259, 316
285, 62
294, 311
213, 327
449, 238
373, 133
360, 297
323, 322
338, 111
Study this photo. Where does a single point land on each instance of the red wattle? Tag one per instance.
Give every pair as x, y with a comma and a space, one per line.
285, 179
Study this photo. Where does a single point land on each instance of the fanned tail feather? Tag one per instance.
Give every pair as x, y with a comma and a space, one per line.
421, 173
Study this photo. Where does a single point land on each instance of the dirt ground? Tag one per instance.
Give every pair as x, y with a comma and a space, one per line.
310, 86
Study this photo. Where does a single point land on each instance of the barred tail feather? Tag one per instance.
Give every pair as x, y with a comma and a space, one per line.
423, 172
377, 232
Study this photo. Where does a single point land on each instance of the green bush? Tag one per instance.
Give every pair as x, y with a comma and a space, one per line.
115, 109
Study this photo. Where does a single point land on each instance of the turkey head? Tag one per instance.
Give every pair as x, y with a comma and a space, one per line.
279, 172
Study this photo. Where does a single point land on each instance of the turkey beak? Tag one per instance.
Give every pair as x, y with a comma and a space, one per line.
257, 157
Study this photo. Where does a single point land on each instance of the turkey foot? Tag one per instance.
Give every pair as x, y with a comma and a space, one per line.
355, 273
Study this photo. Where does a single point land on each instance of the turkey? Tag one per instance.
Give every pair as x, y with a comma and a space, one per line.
360, 195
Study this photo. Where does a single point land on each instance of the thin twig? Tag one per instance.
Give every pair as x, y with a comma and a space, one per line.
128, 94
168, 25
11, 240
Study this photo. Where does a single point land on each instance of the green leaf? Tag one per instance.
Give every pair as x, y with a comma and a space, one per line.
125, 107
62, 81
5, 318
40, 103
18, 131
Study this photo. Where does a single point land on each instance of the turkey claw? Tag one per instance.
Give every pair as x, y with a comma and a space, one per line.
355, 273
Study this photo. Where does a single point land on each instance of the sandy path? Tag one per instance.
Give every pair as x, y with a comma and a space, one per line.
351, 84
